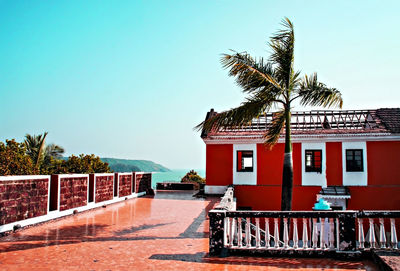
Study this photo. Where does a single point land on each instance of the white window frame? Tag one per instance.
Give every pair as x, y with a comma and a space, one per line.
357, 178
313, 178
246, 177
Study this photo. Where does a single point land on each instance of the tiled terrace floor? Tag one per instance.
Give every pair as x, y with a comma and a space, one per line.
168, 232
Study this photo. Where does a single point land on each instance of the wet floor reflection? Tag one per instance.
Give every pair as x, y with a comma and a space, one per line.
167, 232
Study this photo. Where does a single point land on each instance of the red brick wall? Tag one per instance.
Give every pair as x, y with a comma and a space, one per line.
125, 185
22, 199
104, 188
142, 182
73, 192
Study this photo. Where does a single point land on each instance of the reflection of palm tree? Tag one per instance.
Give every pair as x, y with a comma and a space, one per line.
39, 152
272, 83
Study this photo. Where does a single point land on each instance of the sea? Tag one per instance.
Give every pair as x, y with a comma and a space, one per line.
175, 175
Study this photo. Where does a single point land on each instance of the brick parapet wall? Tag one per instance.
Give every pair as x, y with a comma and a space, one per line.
104, 188
143, 182
22, 199
73, 192
125, 184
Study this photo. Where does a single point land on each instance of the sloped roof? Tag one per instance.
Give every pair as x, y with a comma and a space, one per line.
320, 122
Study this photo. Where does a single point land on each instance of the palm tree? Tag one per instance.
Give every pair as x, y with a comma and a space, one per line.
39, 152
272, 83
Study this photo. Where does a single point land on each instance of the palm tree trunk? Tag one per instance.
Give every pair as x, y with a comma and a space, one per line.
287, 177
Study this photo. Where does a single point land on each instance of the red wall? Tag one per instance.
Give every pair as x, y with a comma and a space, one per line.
142, 182
104, 188
383, 169
22, 199
334, 166
219, 164
125, 185
73, 192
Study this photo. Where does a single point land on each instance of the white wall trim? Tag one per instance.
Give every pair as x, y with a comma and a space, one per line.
73, 175
313, 178
215, 189
355, 178
258, 139
24, 177
103, 174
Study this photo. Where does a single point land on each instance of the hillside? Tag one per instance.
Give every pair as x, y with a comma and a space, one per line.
125, 165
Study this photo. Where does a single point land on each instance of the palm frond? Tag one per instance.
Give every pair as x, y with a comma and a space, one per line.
54, 151
314, 93
282, 45
250, 74
240, 116
274, 131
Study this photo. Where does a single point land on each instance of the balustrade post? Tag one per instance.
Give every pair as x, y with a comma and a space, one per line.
216, 232
276, 233
267, 235
331, 234
393, 234
322, 231
226, 231
258, 235
285, 233
248, 232
372, 240
361, 238
233, 232
382, 233
295, 234
240, 232
314, 234
305, 234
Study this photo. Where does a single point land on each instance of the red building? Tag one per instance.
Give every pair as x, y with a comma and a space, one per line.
351, 158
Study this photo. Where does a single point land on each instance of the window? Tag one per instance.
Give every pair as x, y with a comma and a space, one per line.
314, 161
244, 161
354, 160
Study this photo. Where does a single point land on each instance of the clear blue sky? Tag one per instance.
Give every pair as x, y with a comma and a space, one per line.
130, 79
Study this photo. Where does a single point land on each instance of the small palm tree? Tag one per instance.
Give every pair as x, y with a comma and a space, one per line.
272, 84
39, 152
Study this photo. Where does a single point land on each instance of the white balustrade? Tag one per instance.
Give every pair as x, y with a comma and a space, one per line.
305, 234
361, 238
382, 233
258, 235
233, 232
371, 238
248, 233
285, 233
267, 235
276, 233
240, 233
314, 234
393, 234
295, 234
331, 234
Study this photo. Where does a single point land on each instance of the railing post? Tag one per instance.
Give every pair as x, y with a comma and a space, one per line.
382, 233
361, 238
258, 235
305, 234
216, 232
393, 234
314, 238
372, 240
295, 234
233, 232
331, 234
347, 231
276, 233
285, 233
267, 236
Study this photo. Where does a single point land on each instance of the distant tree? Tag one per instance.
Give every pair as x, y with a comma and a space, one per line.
192, 176
14, 160
85, 164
